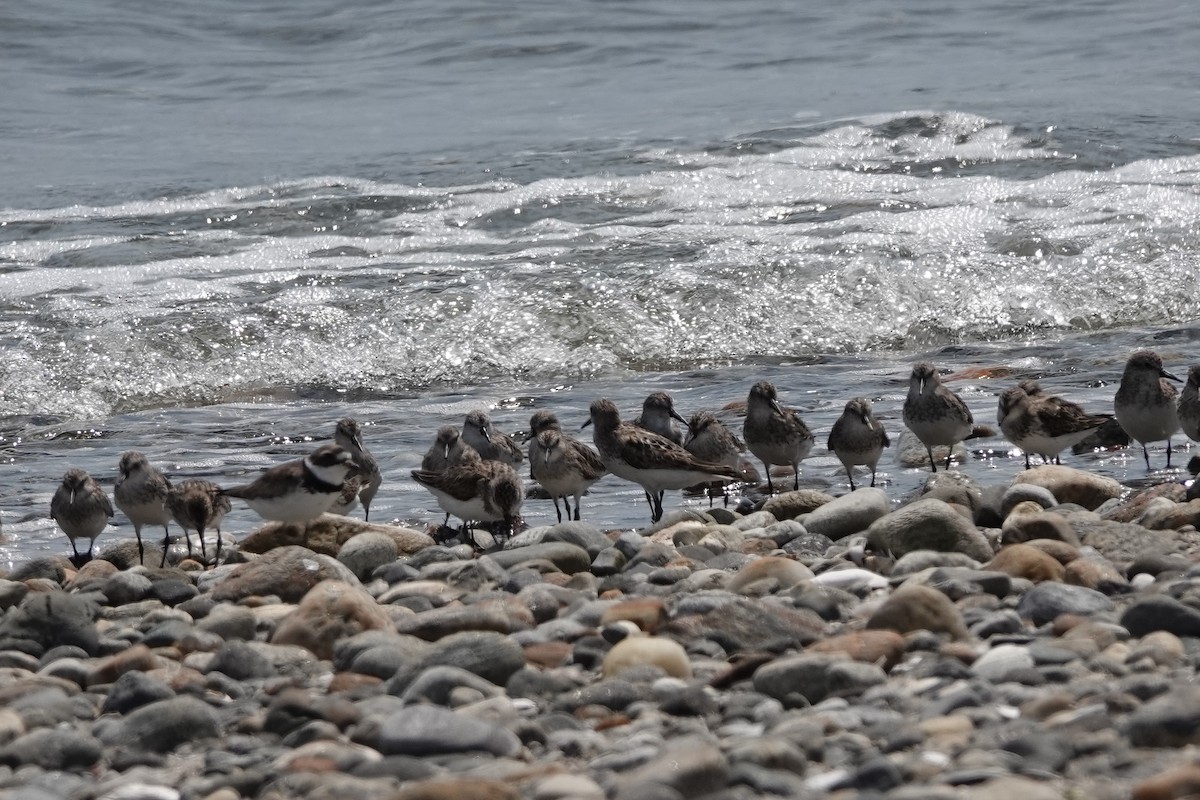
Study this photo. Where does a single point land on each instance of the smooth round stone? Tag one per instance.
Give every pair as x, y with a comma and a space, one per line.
230, 622
1044, 602
581, 534
998, 662
240, 661
633, 651
567, 787
915, 607
164, 725
365, 552
1161, 613
849, 513
431, 729
1170, 720
690, 765
53, 749
133, 690
928, 524
436, 684
1070, 485
772, 572
808, 544
46, 620
567, 557
799, 680
287, 572
854, 579
1021, 492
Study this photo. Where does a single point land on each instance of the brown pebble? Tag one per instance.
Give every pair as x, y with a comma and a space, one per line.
1093, 574
1031, 563
914, 607
883, 647
330, 611
349, 681
645, 612
1173, 784
134, 659
547, 655
457, 789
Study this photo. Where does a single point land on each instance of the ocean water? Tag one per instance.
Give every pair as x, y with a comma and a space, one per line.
223, 227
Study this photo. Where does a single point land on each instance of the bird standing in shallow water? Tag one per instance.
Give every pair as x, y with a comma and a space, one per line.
775, 435
936, 415
491, 444
1042, 424
141, 493
647, 459
710, 441
659, 416
299, 491
82, 510
563, 465
197, 505
475, 490
1189, 405
858, 437
1145, 404
348, 436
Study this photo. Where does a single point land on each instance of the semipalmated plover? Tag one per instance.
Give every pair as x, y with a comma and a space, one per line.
299, 491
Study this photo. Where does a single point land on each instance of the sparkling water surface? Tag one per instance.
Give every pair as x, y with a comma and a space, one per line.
222, 227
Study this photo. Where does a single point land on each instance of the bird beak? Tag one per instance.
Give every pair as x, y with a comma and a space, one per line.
1163, 373
584, 425
679, 417
778, 408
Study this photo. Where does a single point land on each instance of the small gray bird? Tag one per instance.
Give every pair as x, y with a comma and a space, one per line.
858, 438
141, 493
659, 416
775, 435
197, 505
475, 490
349, 437
563, 465
936, 415
709, 440
491, 444
1043, 424
1145, 404
82, 510
1189, 405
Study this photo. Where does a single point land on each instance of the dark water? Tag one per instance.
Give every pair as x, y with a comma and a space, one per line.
223, 227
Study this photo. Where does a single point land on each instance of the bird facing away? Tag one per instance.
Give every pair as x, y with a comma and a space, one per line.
491, 444
141, 493
197, 505
348, 436
299, 491
475, 490
563, 465
1189, 405
858, 438
709, 440
1041, 423
659, 416
1145, 404
82, 509
645, 458
936, 415
775, 435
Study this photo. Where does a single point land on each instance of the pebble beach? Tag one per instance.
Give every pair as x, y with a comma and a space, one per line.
1032, 638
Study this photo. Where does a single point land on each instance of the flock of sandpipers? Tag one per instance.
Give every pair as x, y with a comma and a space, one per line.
473, 473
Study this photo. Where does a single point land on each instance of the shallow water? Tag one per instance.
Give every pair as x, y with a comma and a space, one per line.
221, 232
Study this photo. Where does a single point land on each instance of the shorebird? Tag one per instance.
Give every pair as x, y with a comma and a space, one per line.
491, 444
775, 435
1043, 424
1145, 402
645, 458
197, 505
1189, 405
659, 416
563, 465
936, 415
858, 437
141, 493
446, 450
299, 491
82, 510
475, 490
709, 440
348, 436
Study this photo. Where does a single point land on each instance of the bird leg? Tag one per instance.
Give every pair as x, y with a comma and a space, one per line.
1168, 452
166, 544
932, 463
